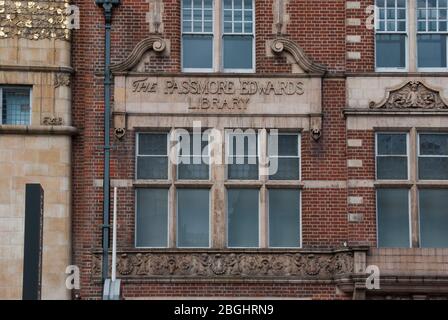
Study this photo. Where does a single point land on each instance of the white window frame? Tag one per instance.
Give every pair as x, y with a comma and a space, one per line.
30, 90
406, 33
394, 155
429, 69
258, 213
427, 156
137, 155
168, 220
251, 70
269, 216
212, 33
299, 153
209, 218
409, 217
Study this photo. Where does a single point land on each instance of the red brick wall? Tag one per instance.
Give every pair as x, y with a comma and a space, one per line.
319, 27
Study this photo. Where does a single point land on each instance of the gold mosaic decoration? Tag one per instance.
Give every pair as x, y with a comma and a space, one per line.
34, 20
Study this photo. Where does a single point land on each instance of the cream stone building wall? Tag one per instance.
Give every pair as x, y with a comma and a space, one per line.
38, 57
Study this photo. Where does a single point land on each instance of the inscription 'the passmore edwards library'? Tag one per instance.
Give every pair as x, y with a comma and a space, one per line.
218, 94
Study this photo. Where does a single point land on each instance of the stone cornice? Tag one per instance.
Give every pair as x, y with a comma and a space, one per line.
282, 44
41, 130
154, 43
21, 68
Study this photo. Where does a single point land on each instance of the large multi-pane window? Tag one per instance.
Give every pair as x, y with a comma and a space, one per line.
238, 35
197, 35
225, 27
263, 203
391, 34
432, 34
15, 105
416, 197
175, 205
162, 203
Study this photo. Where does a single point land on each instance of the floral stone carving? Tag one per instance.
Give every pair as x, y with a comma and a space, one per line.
231, 264
412, 95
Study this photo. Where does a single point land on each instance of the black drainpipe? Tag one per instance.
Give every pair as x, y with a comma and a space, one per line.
107, 6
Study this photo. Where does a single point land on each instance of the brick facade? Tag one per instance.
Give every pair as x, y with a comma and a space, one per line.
322, 29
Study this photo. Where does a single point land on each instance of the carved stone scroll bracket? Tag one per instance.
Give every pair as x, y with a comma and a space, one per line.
119, 124
153, 43
411, 95
316, 126
281, 45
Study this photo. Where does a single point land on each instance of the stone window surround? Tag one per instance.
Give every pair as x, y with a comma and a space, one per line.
411, 44
218, 184
30, 101
218, 32
413, 183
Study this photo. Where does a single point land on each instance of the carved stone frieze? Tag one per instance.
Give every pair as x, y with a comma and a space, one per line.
412, 95
52, 121
34, 20
301, 265
61, 79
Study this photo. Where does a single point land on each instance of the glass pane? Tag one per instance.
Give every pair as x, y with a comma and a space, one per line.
153, 144
227, 4
433, 168
241, 169
193, 171
242, 217
186, 3
433, 144
16, 106
390, 51
208, 4
237, 4
284, 218
287, 169
431, 50
433, 218
152, 218
393, 217
193, 218
380, 3
391, 168
391, 144
197, 51
421, 3
238, 52
152, 167
248, 4
401, 3
287, 145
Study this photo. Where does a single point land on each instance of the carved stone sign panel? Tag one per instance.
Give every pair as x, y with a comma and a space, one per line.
218, 95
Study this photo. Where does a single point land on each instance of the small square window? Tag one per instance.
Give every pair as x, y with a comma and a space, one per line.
16, 105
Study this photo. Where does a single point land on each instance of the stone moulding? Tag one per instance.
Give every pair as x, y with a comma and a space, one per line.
155, 43
410, 96
281, 44
229, 264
